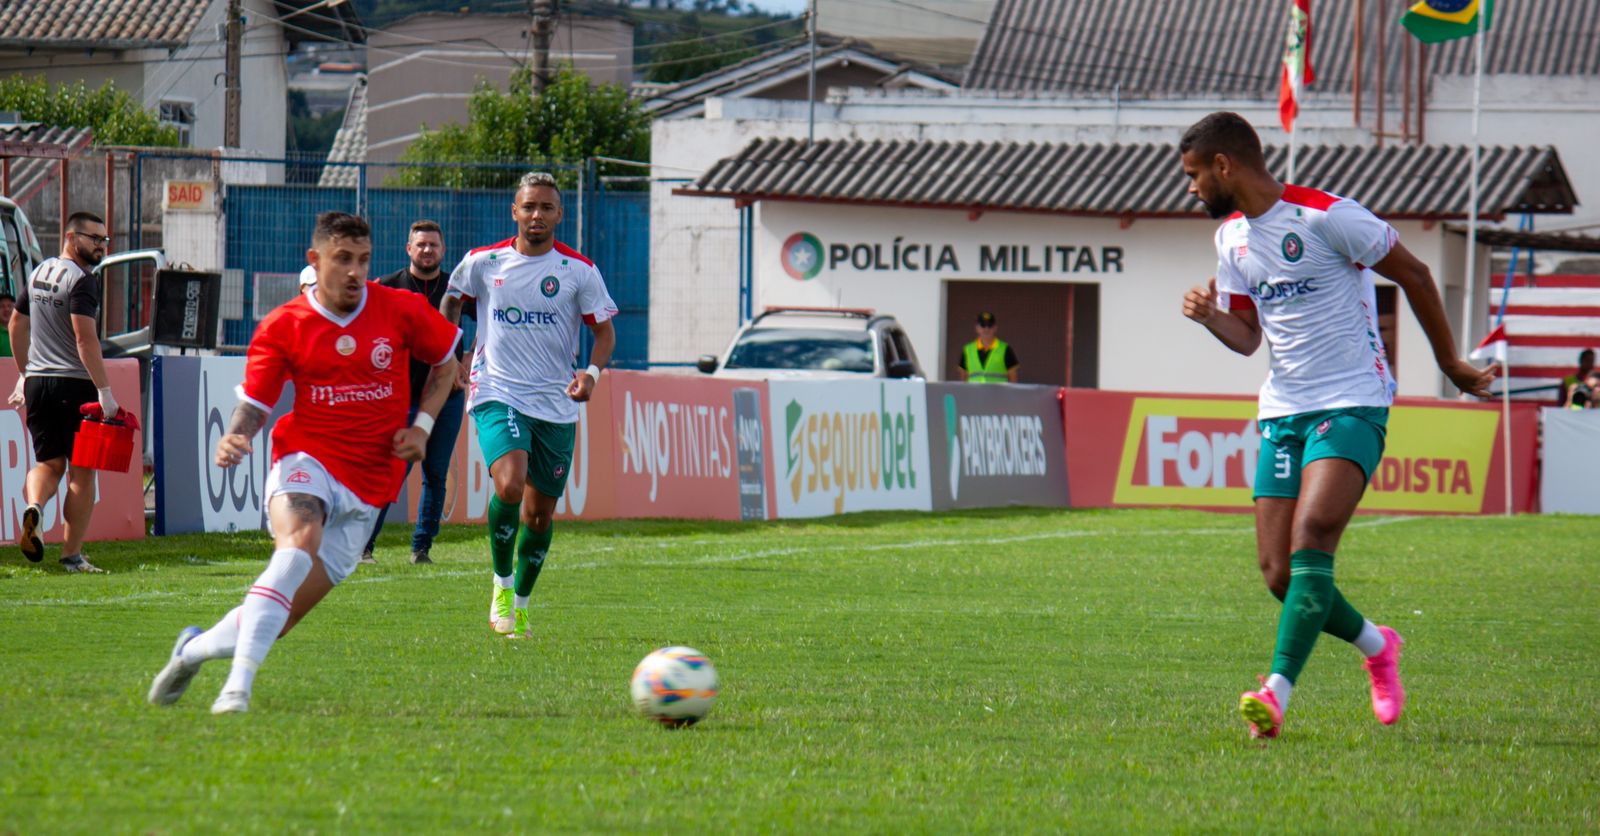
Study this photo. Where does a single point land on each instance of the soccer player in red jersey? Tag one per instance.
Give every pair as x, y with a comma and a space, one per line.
338, 456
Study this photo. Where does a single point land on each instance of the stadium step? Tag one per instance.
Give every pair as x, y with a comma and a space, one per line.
1548, 320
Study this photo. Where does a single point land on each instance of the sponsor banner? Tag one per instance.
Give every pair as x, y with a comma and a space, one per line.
590, 493
843, 446
1198, 451
1571, 461
192, 401
688, 447
119, 497
999, 445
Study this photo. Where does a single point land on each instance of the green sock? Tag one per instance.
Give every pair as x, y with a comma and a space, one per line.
1344, 621
502, 534
1305, 610
531, 549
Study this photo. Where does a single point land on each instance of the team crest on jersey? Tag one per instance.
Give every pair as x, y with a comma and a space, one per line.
550, 286
1293, 248
345, 345
382, 353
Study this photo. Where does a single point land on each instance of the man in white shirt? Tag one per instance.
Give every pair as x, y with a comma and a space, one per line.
532, 293
1292, 265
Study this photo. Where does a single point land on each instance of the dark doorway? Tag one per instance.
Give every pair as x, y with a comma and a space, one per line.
1388, 326
1054, 327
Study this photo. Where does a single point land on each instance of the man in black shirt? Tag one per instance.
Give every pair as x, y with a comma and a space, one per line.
425, 246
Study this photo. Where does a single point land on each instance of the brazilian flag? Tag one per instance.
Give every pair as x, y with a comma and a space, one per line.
1432, 21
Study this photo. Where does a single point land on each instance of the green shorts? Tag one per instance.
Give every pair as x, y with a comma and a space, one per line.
1291, 442
502, 429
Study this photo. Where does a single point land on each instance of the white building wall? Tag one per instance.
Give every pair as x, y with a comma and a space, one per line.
194, 74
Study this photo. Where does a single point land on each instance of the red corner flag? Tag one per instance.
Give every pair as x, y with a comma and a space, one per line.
1296, 63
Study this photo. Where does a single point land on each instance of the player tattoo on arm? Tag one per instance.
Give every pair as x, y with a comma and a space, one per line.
306, 508
450, 306
246, 420
437, 388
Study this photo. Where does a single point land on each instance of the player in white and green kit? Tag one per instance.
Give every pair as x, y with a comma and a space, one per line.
533, 294
1293, 266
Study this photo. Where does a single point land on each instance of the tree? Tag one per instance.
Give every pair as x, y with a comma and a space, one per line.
677, 61
571, 122
110, 114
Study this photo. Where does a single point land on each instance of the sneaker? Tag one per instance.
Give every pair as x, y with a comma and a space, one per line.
174, 678
500, 617
1388, 696
231, 702
366, 557
1260, 709
420, 556
77, 563
523, 629
32, 547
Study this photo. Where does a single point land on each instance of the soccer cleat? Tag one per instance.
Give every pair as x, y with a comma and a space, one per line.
231, 702
78, 563
28, 540
500, 617
1260, 709
1388, 696
420, 556
175, 677
366, 557
523, 628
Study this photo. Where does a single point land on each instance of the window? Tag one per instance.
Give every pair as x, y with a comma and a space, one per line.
797, 348
179, 114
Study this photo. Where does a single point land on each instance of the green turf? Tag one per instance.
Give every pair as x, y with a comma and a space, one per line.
1013, 671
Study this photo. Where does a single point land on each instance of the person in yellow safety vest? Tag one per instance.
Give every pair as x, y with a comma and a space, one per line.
988, 359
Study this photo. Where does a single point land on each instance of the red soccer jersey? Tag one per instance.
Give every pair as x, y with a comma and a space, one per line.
352, 387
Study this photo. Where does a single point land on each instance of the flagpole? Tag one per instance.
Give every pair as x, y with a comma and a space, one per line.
1472, 210
1505, 417
1292, 141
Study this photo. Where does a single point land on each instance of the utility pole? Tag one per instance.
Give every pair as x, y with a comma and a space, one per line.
811, 75
544, 24
230, 130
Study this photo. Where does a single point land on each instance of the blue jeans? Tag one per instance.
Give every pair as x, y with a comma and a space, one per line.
435, 467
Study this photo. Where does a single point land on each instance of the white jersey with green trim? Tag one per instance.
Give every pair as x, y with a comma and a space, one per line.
529, 311
1303, 265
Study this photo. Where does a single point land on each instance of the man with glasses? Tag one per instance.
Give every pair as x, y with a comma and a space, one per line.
988, 359
55, 339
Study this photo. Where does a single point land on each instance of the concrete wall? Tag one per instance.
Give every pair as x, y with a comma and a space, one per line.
931, 31
415, 80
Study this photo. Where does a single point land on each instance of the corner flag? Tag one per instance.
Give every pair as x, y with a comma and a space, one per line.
1493, 347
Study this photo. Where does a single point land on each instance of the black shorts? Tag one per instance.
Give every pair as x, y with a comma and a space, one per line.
53, 416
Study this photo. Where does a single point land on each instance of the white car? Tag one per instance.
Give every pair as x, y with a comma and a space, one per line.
828, 343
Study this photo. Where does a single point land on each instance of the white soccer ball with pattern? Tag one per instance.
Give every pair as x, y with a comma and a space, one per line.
675, 686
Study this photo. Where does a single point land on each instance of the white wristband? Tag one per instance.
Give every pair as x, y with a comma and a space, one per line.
593, 372
424, 422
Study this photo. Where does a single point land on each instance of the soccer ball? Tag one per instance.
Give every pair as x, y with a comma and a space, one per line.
675, 686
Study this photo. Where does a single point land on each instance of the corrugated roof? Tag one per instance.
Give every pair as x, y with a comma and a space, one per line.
1428, 181
1142, 48
777, 65
99, 23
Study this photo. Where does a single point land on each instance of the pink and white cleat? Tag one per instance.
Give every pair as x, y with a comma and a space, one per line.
1388, 696
1260, 709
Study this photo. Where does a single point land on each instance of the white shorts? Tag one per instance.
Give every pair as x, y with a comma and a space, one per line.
349, 521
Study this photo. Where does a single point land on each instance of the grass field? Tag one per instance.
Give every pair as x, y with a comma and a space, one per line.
1012, 671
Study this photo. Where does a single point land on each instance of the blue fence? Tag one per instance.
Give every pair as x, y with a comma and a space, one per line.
268, 229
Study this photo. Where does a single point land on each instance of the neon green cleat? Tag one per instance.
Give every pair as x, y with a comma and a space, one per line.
524, 627
500, 610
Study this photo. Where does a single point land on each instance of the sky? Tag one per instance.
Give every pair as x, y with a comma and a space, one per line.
787, 6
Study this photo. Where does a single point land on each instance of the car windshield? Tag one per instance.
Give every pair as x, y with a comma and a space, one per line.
797, 348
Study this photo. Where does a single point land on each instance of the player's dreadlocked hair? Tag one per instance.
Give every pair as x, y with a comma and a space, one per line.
539, 178
1224, 133
332, 225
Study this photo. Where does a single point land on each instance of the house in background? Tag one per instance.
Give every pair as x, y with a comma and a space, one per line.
169, 55
423, 69
941, 33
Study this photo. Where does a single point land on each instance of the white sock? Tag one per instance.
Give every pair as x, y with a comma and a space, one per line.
520, 601
216, 643
1280, 687
264, 612
503, 583
1370, 642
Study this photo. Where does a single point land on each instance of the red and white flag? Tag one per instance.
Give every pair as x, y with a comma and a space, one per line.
1493, 347
1296, 63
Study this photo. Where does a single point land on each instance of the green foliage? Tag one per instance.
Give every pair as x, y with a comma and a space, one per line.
111, 114
1007, 671
307, 133
570, 122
